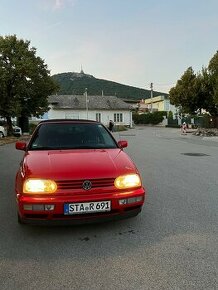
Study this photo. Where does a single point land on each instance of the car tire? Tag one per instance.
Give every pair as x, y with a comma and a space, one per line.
2, 135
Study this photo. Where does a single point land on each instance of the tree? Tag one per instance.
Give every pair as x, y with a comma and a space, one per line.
185, 93
206, 92
213, 71
213, 64
194, 92
25, 81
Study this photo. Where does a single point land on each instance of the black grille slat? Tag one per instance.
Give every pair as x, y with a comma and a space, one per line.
77, 184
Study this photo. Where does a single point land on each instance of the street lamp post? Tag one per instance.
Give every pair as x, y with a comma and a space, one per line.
87, 109
151, 97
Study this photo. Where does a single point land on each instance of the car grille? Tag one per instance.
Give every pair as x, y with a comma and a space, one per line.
77, 184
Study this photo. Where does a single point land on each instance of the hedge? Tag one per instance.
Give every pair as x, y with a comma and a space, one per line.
149, 118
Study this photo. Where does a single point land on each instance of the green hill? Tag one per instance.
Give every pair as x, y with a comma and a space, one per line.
72, 83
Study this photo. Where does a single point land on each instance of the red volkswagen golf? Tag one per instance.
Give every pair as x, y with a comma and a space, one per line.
74, 171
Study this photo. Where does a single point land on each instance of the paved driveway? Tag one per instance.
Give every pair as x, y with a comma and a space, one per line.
171, 245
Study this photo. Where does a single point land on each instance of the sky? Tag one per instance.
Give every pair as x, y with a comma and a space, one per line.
133, 42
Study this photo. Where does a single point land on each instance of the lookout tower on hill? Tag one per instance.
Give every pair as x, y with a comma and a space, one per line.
81, 71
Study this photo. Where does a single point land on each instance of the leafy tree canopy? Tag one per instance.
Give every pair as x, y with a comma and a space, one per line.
194, 92
25, 81
184, 94
213, 70
213, 64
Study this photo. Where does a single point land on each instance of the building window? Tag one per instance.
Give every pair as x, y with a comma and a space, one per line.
118, 117
98, 117
167, 105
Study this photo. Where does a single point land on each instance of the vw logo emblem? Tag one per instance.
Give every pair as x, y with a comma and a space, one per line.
87, 185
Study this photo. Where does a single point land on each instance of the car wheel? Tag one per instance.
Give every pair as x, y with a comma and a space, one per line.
2, 135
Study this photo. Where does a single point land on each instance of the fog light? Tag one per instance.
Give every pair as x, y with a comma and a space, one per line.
38, 207
28, 207
139, 198
134, 199
130, 200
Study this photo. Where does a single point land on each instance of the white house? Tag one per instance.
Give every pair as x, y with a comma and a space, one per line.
99, 108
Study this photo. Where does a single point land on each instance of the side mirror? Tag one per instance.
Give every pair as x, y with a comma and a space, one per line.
122, 143
20, 145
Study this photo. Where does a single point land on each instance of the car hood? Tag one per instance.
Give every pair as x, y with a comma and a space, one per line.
77, 164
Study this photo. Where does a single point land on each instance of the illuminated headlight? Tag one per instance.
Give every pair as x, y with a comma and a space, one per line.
41, 186
127, 181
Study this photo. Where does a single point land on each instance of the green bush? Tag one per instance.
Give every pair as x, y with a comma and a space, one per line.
149, 118
203, 121
170, 115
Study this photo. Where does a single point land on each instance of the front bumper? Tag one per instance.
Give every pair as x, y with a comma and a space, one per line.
57, 216
88, 219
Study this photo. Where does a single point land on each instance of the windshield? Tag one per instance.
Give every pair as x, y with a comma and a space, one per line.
71, 136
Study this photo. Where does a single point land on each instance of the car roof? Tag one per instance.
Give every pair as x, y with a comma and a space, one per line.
59, 121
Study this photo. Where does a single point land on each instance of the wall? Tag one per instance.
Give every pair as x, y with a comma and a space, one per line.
106, 116
160, 103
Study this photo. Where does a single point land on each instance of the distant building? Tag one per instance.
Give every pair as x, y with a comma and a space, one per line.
99, 108
159, 103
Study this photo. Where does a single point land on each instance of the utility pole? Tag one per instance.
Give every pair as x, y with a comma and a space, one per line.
151, 97
87, 110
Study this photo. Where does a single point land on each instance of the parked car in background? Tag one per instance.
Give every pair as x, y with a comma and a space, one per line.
17, 131
3, 132
74, 171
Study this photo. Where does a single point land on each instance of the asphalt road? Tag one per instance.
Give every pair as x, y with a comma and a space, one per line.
172, 244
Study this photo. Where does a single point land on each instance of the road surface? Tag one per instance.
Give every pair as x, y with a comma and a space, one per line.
172, 244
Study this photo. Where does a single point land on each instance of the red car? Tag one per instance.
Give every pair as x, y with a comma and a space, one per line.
74, 171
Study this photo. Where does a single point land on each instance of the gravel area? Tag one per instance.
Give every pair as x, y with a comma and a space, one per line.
206, 132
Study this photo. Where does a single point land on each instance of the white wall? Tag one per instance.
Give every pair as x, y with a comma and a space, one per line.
106, 116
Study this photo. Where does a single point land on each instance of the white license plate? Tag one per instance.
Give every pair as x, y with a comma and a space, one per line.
87, 207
